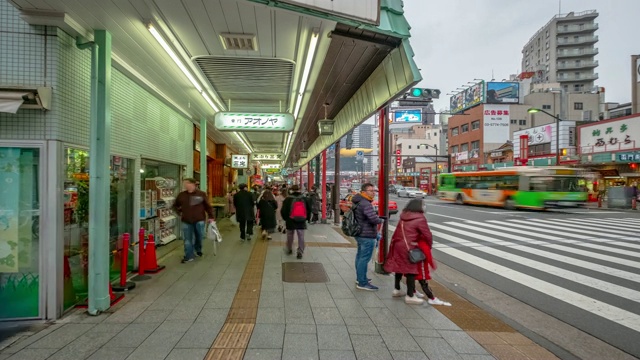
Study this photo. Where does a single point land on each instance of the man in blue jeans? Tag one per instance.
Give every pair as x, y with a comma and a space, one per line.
193, 207
368, 220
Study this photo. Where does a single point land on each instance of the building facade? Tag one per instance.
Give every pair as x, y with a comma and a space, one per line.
564, 51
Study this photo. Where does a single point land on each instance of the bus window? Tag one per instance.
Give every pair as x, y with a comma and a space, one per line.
556, 184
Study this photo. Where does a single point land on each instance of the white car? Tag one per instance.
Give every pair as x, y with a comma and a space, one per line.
411, 192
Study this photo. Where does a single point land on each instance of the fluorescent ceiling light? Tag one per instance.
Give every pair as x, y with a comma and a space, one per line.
305, 73
244, 143
173, 56
206, 97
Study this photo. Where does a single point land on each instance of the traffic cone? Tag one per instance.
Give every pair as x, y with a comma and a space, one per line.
151, 262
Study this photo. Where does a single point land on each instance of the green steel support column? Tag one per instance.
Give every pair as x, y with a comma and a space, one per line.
203, 154
99, 173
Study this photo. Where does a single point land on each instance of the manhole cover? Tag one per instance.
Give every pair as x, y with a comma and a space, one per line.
304, 272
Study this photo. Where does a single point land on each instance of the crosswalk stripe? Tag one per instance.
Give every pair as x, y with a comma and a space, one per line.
610, 228
600, 308
565, 234
625, 221
538, 225
580, 228
581, 279
626, 244
613, 223
562, 247
504, 228
561, 258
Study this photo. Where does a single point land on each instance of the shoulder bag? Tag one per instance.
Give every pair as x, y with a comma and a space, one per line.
415, 255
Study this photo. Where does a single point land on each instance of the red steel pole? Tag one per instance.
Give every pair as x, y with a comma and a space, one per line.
383, 182
301, 179
324, 186
141, 251
309, 177
124, 259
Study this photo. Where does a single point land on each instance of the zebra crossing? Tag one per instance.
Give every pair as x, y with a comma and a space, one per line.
590, 266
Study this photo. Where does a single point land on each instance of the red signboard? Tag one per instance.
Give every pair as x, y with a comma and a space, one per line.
524, 149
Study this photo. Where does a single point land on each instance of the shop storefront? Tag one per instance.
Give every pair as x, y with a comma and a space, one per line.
21, 284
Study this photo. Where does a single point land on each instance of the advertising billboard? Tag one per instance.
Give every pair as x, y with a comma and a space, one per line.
467, 98
496, 124
407, 116
503, 92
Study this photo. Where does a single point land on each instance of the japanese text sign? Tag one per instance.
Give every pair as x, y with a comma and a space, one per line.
275, 122
610, 135
496, 124
267, 157
239, 161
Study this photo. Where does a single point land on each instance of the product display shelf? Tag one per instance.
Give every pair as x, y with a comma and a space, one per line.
165, 226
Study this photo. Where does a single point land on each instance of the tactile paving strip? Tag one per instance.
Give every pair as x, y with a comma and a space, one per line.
233, 339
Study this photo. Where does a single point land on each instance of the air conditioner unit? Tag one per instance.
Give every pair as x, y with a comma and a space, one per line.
13, 98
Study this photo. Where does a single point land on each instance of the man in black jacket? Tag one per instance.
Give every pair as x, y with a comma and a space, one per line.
368, 221
245, 214
295, 225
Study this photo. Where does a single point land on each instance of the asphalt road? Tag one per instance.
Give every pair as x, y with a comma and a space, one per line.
581, 266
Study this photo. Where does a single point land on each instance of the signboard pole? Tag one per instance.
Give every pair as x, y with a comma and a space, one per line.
324, 187
336, 186
383, 186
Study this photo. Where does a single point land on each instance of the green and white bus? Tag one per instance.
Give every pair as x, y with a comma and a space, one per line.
519, 187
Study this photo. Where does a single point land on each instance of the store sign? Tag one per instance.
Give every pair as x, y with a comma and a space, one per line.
398, 159
503, 92
496, 124
267, 157
275, 122
629, 157
270, 166
239, 161
467, 98
272, 171
496, 154
611, 135
537, 135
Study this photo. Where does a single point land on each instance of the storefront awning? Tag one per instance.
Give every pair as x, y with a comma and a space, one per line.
10, 101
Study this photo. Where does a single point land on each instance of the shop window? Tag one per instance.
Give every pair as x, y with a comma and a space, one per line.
475, 125
539, 149
464, 128
76, 220
464, 147
475, 145
454, 131
577, 106
160, 184
454, 149
19, 232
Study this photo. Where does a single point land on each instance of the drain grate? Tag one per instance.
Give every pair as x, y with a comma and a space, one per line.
304, 272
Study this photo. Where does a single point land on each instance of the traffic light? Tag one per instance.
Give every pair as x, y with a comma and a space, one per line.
424, 93
633, 166
349, 140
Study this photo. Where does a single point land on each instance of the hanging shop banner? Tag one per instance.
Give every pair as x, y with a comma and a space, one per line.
270, 166
233, 121
503, 92
267, 156
239, 161
496, 124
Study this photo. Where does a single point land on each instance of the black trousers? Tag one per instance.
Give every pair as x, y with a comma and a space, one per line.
427, 290
246, 228
411, 283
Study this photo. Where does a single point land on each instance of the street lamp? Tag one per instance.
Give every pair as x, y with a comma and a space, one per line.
535, 110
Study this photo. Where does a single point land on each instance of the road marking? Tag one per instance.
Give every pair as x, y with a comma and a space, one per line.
528, 227
581, 225
620, 224
447, 216
597, 307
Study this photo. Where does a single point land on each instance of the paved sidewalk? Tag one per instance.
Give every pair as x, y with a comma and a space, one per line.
203, 309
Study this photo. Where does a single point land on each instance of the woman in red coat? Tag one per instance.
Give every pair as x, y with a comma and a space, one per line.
412, 232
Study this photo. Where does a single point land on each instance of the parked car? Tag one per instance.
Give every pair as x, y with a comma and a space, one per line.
345, 205
411, 192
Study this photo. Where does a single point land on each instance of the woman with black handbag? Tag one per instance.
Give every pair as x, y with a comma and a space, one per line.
267, 206
410, 255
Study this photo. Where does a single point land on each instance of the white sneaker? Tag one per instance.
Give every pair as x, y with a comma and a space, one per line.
419, 294
398, 293
436, 301
413, 300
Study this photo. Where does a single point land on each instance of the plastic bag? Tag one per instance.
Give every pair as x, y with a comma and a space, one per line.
213, 233
233, 219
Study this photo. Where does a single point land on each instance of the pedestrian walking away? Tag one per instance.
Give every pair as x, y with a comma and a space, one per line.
368, 221
412, 233
280, 196
245, 214
267, 207
193, 207
296, 211
314, 198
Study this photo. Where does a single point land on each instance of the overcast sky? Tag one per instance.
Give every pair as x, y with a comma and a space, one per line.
456, 41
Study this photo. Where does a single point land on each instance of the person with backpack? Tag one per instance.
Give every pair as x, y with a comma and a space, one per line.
296, 211
368, 221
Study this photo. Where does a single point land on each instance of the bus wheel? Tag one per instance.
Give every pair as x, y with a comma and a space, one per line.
459, 200
509, 204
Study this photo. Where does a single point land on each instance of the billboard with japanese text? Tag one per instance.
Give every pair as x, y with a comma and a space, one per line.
496, 124
615, 135
503, 92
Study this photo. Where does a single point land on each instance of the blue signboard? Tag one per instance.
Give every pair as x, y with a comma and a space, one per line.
408, 116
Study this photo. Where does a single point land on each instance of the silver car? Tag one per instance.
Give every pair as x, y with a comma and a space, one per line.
411, 192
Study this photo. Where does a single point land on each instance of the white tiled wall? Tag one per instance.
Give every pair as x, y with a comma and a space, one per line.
142, 125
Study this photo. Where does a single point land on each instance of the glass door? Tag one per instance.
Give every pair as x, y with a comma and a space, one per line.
19, 232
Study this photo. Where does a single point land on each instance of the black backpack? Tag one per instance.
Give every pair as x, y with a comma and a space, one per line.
350, 226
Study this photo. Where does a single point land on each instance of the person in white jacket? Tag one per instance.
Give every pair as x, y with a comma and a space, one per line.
280, 196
